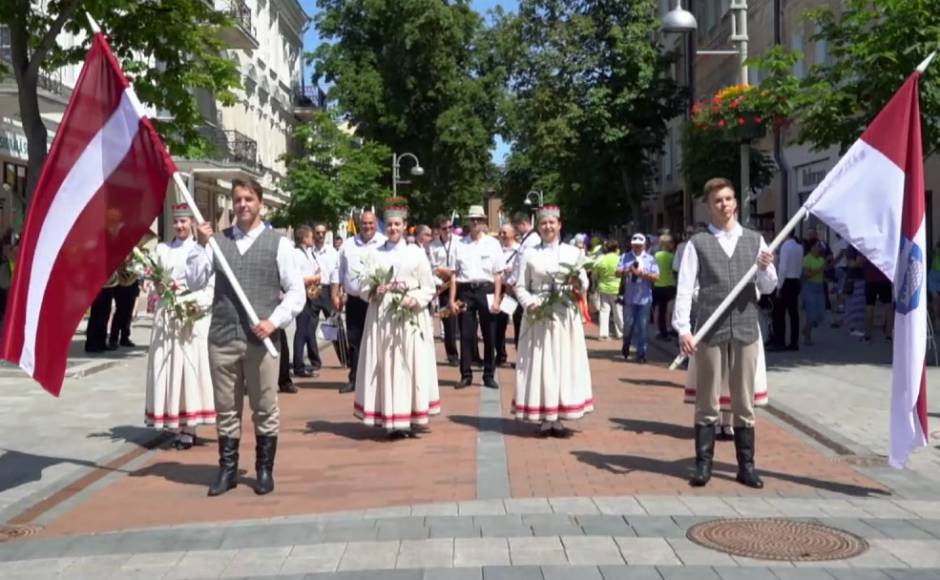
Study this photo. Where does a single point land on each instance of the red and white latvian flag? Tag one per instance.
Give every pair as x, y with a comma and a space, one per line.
102, 186
874, 197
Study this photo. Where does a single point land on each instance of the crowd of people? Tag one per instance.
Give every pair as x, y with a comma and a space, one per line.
386, 296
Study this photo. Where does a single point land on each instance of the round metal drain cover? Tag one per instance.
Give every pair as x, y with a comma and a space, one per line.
11, 533
777, 539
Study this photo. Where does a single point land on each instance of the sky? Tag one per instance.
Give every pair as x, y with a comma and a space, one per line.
311, 40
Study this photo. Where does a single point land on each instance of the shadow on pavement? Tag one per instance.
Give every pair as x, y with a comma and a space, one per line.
653, 383
682, 469
640, 426
186, 474
347, 429
17, 468
501, 425
141, 436
312, 383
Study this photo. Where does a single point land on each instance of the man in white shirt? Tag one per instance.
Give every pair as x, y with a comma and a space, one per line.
528, 238
477, 274
507, 239
442, 266
715, 261
346, 278
240, 363
325, 261
304, 334
787, 300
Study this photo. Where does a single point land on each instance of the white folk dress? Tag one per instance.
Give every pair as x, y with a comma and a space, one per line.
396, 380
553, 377
179, 386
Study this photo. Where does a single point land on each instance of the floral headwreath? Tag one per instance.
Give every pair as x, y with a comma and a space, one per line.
396, 207
550, 210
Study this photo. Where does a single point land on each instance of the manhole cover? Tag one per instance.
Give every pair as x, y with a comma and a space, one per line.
777, 539
11, 533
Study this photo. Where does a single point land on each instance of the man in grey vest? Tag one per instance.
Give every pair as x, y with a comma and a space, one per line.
262, 261
714, 261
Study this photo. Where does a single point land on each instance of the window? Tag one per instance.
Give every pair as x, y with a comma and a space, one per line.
820, 50
796, 43
5, 54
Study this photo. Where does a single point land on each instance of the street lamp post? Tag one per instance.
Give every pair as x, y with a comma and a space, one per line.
417, 170
681, 21
539, 198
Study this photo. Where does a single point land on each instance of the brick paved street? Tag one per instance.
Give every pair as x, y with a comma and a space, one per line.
478, 497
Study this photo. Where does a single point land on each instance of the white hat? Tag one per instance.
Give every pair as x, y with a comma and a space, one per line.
638, 239
476, 212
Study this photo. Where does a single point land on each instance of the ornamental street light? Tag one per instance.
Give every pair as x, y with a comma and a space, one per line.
416, 171
537, 195
681, 21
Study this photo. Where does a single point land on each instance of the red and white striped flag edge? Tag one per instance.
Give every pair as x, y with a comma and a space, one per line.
874, 197
100, 189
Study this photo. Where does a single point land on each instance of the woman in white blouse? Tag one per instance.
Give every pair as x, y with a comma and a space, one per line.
179, 386
553, 377
396, 380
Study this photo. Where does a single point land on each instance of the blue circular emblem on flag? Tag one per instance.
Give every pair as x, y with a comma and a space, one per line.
910, 280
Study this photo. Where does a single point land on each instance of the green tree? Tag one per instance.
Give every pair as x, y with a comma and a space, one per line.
334, 172
705, 154
418, 76
873, 47
180, 35
591, 93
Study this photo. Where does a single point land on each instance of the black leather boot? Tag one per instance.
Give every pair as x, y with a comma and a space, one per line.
265, 449
744, 449
228, 466
704, 454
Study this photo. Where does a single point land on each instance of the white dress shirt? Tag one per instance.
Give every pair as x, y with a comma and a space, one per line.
326, 261
509, 259
790, 261
303, 262
442, 253
477, 261
350, 262
688, 275
200, 266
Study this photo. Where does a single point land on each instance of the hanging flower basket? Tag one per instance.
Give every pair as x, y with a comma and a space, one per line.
739, 113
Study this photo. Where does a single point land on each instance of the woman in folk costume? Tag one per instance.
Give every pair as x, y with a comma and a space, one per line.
179, 387
396, 380
553, 378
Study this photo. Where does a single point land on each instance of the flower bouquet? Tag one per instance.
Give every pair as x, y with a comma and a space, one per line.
563, 293
178, 301
382, 283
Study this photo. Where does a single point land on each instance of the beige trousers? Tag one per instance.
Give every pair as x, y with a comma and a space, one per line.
239, 368
736, 361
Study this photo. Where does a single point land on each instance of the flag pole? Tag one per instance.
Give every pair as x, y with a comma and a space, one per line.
95, 29
223, 263
922, 67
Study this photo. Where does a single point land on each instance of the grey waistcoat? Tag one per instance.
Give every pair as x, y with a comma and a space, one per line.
258, 275
717, 275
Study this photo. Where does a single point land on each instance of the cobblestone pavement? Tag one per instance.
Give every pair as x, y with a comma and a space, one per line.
477, 497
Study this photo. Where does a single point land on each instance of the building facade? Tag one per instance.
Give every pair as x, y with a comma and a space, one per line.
248, 139
800, 168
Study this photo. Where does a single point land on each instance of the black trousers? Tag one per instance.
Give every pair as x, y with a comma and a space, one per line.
124, 299
502, 325
787, 303
305, 337
476, 310
662, 296
283, 359
450, 327
96, 333
355, 323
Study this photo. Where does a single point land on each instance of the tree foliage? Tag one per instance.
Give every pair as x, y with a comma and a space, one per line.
166, 47
418, 76
590, 96
706, 154
333, 172
873, 47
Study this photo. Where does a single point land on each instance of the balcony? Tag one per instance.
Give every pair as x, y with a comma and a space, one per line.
231, 148
53, 94
240, 34
308, 100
